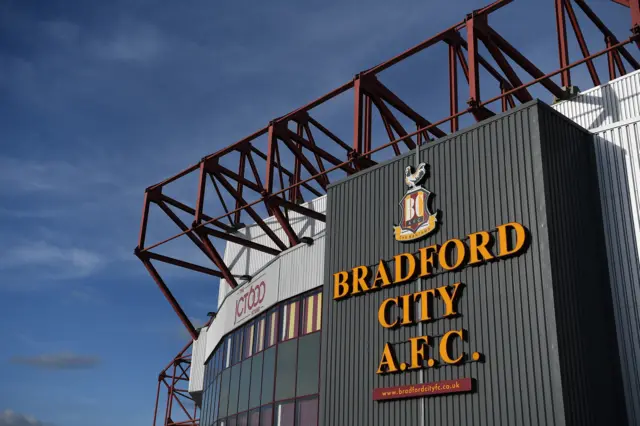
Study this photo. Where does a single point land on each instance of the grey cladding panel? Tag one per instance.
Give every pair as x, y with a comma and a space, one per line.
483, 177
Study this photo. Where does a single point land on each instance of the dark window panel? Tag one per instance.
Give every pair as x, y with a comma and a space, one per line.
254, 418
286, 370
307, 412
266, 416
231, 421
245, 381
234, 388
215, 393
268, 375
242, 419
224, 393
256, 381
308, 364
285, 414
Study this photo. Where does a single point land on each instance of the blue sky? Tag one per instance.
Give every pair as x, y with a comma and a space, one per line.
99, 100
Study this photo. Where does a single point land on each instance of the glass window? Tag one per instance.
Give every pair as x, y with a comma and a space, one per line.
249, 335
254, 418
231, 421
268, 375
234, 387
260, 333
256, 381
214, 397
245, 381
242, 419
204, 416
224, 392
266, 416
285, 414
286, 370
307, 412
228, 346
312, 313
308, 365
290, 315
272, 328
216, 400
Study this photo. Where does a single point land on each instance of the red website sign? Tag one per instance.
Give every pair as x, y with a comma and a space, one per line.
425, 389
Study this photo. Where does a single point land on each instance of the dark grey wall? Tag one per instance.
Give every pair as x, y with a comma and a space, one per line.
485, 176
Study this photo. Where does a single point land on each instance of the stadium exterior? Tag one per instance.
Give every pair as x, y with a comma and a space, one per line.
487, 276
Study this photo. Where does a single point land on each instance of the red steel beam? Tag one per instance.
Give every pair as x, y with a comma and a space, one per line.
582, 43
241, 241
217, 259
357, 114
251, 212
145, 220
181, 206
240, 187
286, 171
453, 86
168, 295
607, 32
563, 48
182, 264
393, 122
525, 63
374, 85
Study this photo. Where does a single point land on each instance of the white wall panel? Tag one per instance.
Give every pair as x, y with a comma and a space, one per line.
618, 158
198, 356
607, 104
302, 270
244, 261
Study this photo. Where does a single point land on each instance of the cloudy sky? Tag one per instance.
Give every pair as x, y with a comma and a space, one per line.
99, 100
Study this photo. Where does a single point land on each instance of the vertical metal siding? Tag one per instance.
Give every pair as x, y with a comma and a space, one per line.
582, 293
482, 177
298, 269
198, 356
615, 101
618, 158
244, 261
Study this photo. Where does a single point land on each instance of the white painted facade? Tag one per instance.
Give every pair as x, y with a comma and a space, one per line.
610, 103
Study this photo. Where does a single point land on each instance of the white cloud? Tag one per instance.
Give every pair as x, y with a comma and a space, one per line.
52, 260
11, 418
28, 176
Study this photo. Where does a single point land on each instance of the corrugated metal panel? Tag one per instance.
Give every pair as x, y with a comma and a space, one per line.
302, 270
198, 356
615, 101
295, 271
244, 261
483, 177
618, 157
581, 291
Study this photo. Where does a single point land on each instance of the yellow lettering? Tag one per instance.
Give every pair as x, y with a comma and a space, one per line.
411, 267
382, 313
449, 300
478, 251
460, 254
445, 347
388, 361
425, 312
503, 237
340, 285
407, 309
382, 275
417, 351
426, 260
359, 279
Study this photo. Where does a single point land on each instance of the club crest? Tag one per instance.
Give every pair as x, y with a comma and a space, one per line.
417, 219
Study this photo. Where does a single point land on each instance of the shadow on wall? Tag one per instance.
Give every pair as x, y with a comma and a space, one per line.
616, 177
608, 102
